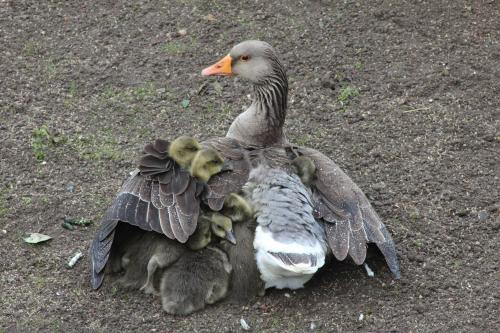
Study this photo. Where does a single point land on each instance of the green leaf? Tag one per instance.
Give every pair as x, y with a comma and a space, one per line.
79, 221
35, 238
185, 103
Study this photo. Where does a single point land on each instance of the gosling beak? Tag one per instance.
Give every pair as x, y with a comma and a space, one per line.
222, 67
231, 237
227, 166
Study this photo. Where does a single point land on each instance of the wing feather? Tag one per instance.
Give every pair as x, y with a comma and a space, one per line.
159, 196
350, 220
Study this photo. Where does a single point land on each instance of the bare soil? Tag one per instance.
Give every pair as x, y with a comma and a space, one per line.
404, 95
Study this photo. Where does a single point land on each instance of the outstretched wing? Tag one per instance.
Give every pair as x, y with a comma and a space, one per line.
159, 196
350, 220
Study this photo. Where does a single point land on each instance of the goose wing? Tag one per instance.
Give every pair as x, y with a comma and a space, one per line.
350, 220
159, 196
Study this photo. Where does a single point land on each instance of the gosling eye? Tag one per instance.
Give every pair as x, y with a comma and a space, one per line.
244, 58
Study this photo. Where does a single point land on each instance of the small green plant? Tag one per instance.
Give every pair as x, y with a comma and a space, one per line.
72, 89
4, 207
346, 94
95, 148
143, 92
359, 66
50, 68
26, 201
173, 48
31, 49
40, 141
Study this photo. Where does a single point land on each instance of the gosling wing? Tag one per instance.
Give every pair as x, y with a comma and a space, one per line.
350, 220
159, 196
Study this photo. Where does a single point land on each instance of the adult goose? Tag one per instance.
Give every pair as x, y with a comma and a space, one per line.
163, 197
349, 220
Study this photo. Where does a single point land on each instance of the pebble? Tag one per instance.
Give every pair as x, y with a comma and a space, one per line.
483, 215
379, 186
244, 324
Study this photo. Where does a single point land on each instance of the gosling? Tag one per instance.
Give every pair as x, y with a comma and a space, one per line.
201, 163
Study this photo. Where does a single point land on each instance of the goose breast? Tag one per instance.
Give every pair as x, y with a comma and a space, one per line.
290, 245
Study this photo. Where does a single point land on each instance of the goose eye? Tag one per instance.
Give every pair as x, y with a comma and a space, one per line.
244, 58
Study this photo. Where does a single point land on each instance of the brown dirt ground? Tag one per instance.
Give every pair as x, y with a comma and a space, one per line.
420, 134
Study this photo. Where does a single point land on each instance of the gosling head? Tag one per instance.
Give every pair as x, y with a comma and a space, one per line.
237, 208
205, 164
305, 169
222, 227
202, 236
183, 150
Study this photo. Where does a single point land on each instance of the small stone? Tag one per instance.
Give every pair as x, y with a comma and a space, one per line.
287, 295
420, 308
244, 325
210, 17
483, 215
313, 326
361, 317
182, 32
379, 186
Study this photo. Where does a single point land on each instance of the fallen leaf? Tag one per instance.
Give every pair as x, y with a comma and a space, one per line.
80, 221
35, 238
210, 17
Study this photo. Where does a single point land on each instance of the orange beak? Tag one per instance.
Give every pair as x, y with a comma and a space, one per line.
222, 67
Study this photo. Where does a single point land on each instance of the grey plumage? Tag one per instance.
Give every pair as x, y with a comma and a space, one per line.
283, 205
290, 244
245, 282
145, 256
197, 278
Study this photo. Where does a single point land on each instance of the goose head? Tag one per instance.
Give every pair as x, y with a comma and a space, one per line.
253, 60
183, 150
305, 169
205, 164
256, 61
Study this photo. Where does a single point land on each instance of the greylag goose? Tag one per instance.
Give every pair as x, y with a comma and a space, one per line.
165, 198
349, 220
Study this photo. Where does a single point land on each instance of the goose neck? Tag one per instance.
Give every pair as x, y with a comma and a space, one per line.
262, 123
